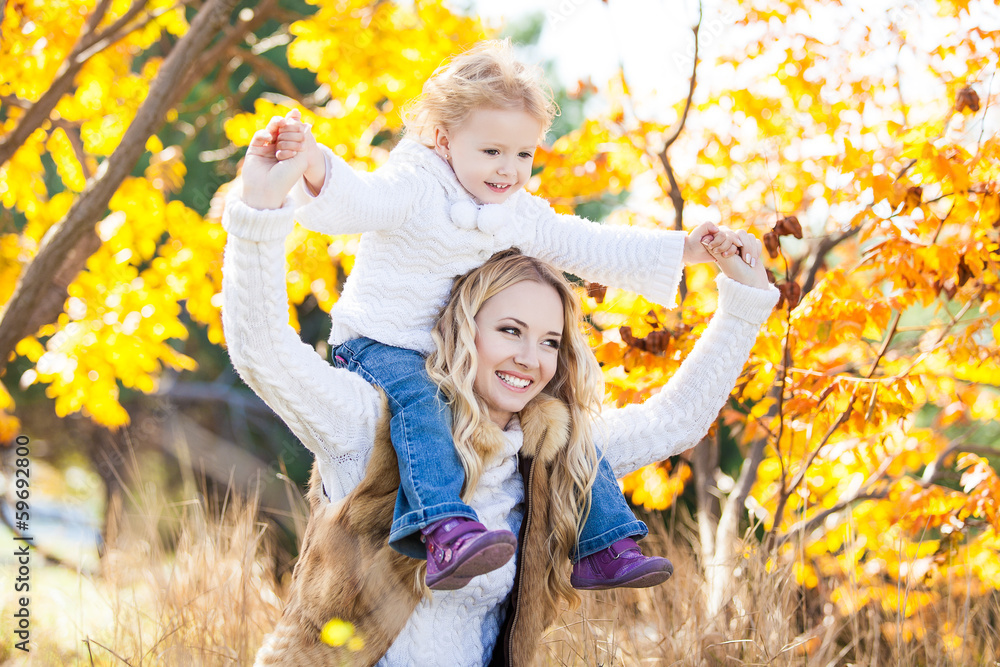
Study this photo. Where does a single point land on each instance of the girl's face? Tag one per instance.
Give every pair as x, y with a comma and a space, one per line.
491, 152
518, 333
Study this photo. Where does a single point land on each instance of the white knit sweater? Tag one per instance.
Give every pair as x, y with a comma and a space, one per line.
334, 412
421, 229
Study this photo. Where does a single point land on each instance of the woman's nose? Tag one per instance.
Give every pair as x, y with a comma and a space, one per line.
526, 357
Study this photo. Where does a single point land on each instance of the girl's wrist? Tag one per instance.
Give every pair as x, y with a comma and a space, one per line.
315, 174
314, 180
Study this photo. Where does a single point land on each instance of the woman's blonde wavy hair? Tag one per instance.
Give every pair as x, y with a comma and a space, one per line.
487, 76
577, 382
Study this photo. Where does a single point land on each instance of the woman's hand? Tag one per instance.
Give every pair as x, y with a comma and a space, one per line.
266, 179
708, 242
736, 267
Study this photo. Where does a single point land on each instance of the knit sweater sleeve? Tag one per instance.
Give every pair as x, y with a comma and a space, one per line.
678, 416
332, 411
645, 261
352, 201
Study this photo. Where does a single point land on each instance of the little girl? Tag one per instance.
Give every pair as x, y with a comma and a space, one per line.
451, 195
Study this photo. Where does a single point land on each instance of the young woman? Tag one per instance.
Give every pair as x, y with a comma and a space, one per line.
513, 315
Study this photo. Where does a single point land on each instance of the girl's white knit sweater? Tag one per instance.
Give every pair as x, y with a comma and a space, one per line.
334, 412
421, 229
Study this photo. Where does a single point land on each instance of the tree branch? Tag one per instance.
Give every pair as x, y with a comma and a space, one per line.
676, 198
62, 237
687, 104
866, 492
828, 243
85, 48
931, 473
15, 101
819, 258
231, 36
812, 522
801, 474
268, 70
95, 17
40, 111
200, 392
76, 141
956, 318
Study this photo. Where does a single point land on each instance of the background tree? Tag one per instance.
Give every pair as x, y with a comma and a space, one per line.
864, 433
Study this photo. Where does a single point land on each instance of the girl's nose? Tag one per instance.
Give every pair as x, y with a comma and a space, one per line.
506, 168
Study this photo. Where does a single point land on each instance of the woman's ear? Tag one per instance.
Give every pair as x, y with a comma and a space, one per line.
442, 143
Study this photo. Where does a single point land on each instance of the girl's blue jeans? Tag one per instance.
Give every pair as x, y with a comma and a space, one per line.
430, 472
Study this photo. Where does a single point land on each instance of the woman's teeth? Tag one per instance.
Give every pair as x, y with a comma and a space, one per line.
513, 381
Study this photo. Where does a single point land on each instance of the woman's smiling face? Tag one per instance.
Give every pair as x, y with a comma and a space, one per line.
518, 334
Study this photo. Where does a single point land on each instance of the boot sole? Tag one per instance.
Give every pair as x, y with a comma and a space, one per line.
631, 580
483, 560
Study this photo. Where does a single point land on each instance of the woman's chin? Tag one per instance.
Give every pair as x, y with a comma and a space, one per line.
516, 403
511, 405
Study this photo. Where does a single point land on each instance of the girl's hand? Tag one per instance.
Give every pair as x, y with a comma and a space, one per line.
295, 138
267, 180
738, 268
709, 242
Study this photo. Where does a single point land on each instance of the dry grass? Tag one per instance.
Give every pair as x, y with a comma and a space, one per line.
772, 621
183, 584
190, 584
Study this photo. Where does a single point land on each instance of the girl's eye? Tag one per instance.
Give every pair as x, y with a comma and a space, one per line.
525, 154
491, 151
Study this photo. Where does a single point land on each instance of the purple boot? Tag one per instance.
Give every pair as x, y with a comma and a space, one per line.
620, 565
459, 549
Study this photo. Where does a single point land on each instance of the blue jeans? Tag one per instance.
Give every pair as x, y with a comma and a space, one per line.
430, 472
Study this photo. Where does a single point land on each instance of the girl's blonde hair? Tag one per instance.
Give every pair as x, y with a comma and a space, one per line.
487, 76
577, 382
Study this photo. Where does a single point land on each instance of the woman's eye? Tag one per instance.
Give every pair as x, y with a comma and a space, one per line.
553, 343
514, 331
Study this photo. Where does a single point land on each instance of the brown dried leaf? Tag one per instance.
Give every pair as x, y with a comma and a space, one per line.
771, 244
656, 342
791, 293
788, 226
596, 291
967, 98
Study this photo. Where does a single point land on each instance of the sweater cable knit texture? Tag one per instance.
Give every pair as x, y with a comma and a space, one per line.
334, 412
421, 229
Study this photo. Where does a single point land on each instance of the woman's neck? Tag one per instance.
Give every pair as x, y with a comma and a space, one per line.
501, 418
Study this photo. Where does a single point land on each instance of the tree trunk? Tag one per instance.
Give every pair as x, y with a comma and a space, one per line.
705, 462
719, 571
65, 235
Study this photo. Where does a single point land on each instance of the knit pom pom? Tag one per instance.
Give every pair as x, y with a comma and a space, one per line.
493, 218
464, 214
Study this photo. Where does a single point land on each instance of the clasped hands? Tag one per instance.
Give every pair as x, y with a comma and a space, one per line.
277, 157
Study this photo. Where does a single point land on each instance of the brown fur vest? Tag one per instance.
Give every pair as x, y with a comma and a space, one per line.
347, 570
